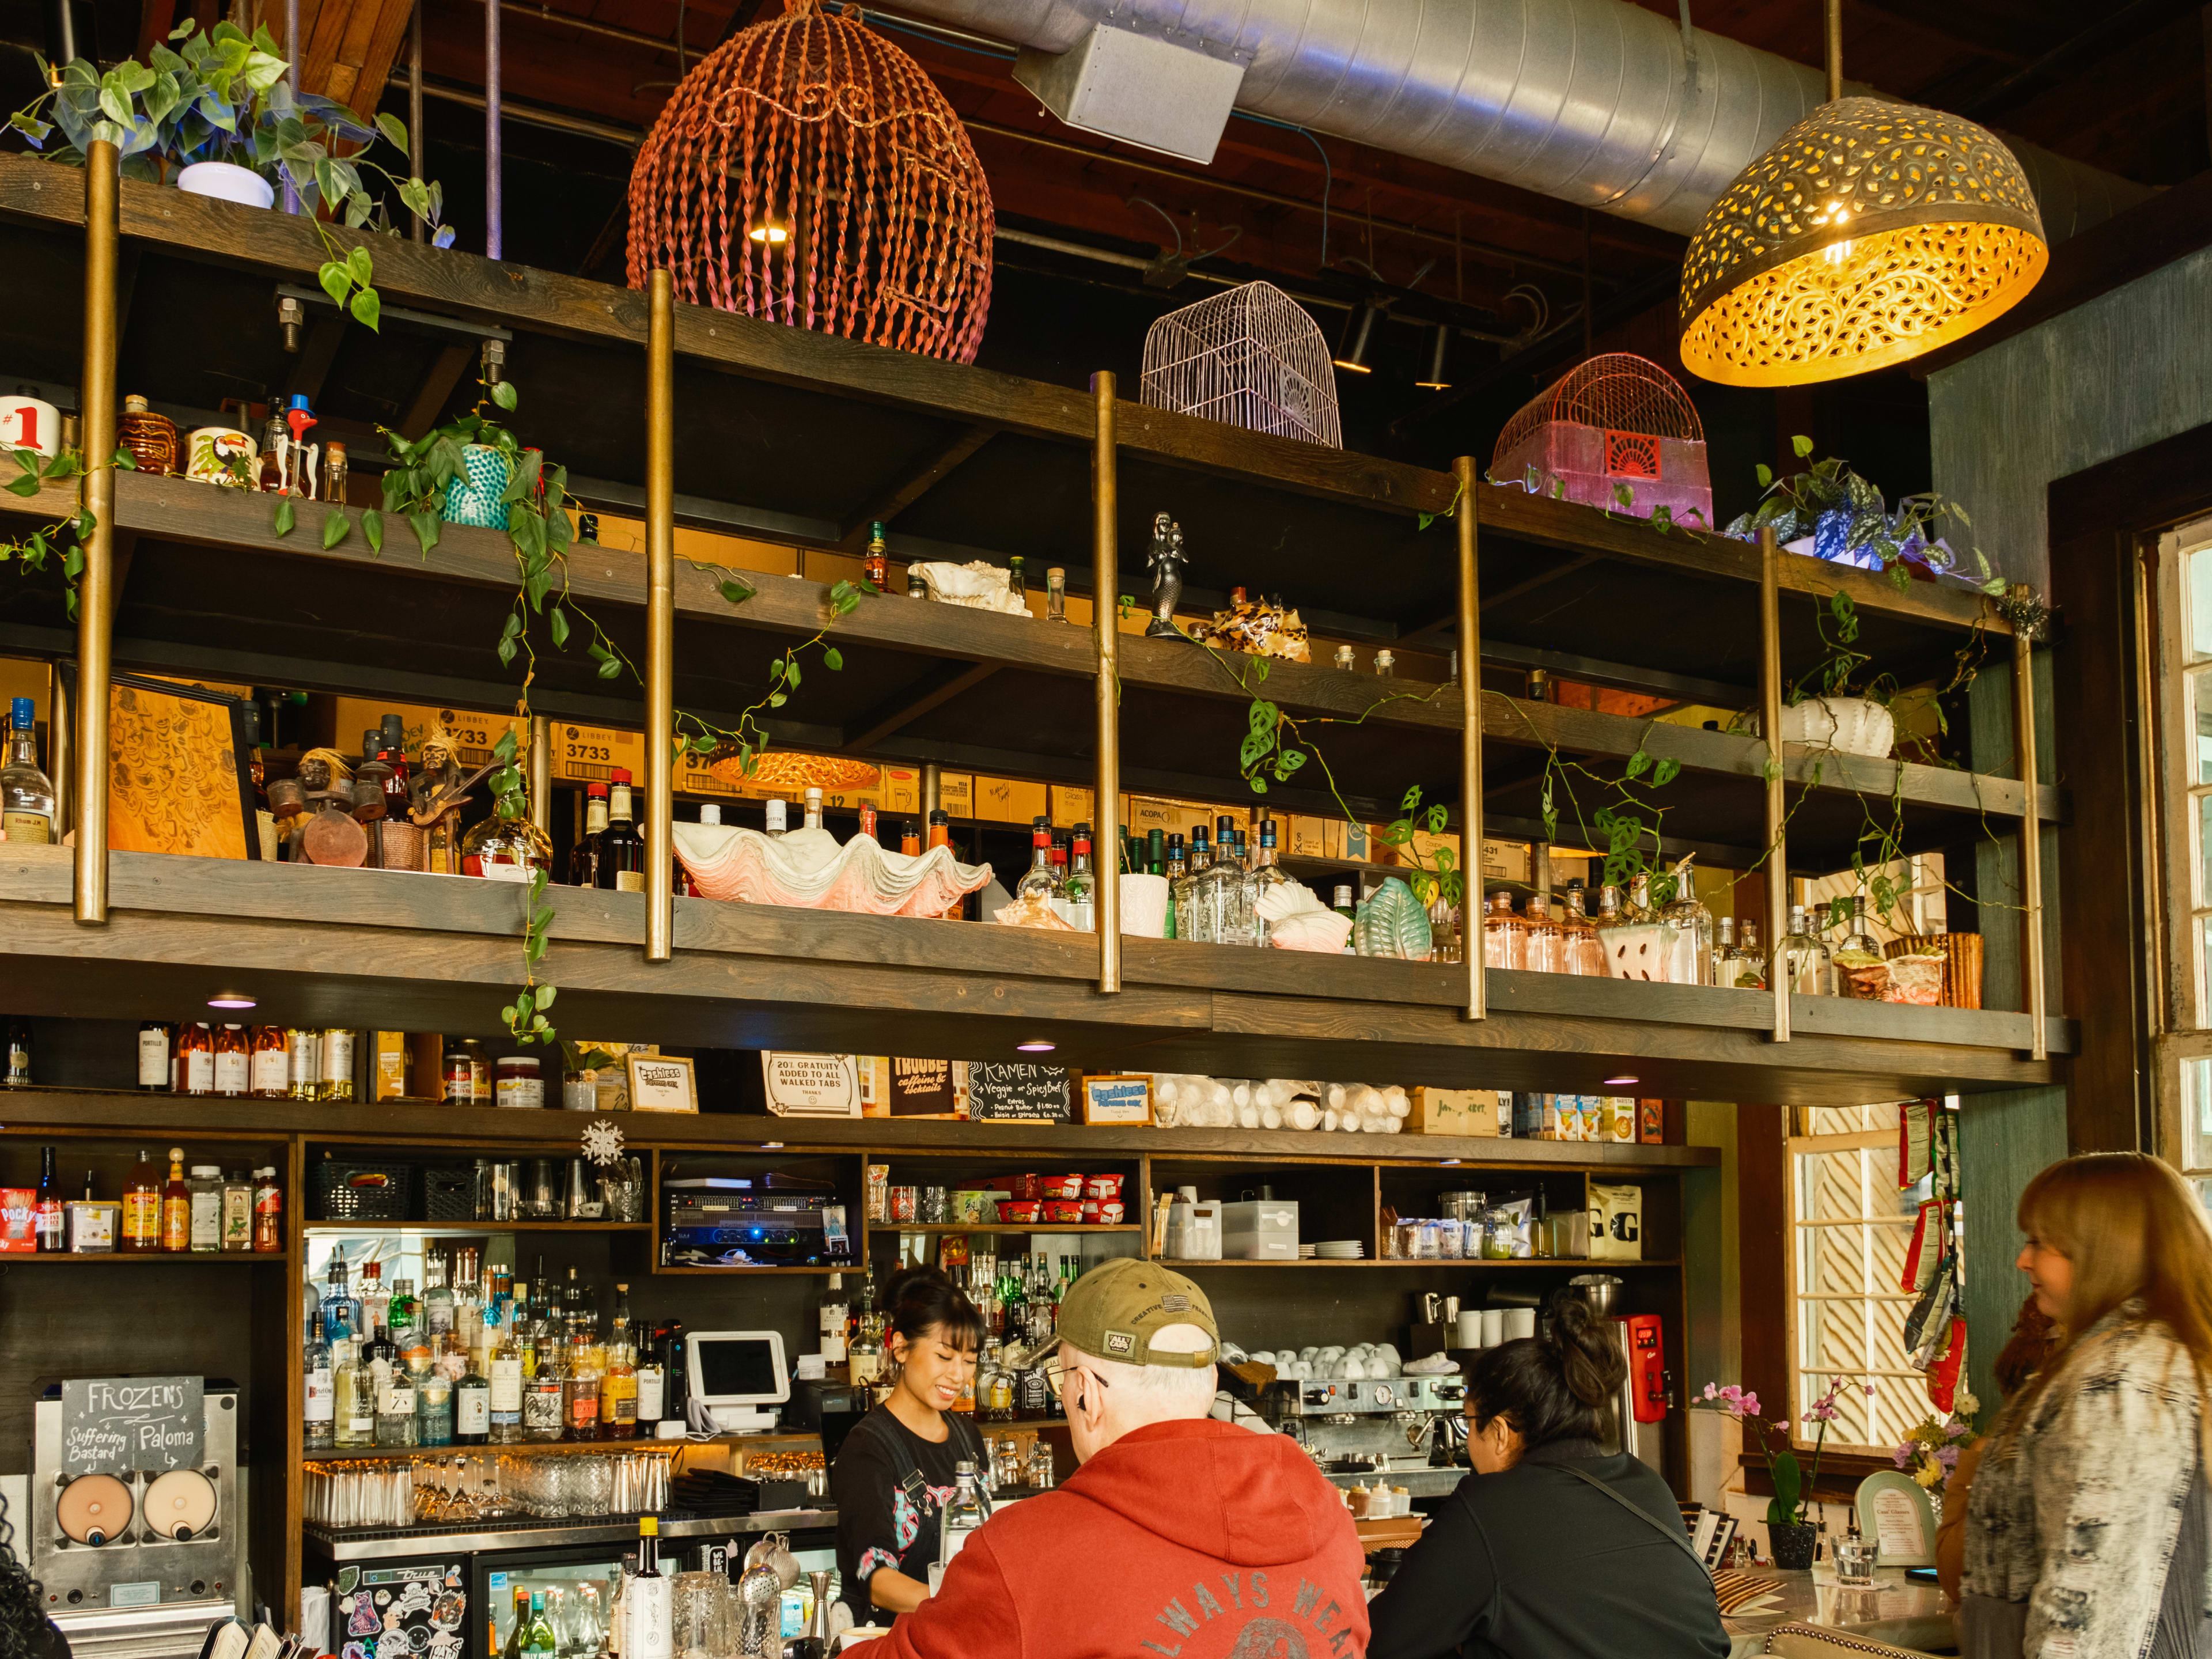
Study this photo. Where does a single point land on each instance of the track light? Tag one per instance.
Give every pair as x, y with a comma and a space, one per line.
1436, 382
1355, 359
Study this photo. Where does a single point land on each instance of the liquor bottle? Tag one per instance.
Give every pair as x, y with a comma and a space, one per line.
233, 1061
1175, 869
395, 1393
1578, 937
437, 1298
1724, 950
506, 849
1547, 938
621, 849
1860, 939
618, 1380
434, 1408
416, 1346
505, 1394
151, 438
1213, 891
303, 1062
1638, 908
544, 1413
1190, 919
584, 857
1266, 877
391, 750
47, 1217
1504, 935
195, 1059
336, 1080
814, 802
962, 1517
648, 1597
270, 477
1608, 906
651, 1382
1078, 896
353, 1400
315, 1377
1689, 962
776, 819
377, 1303
873, 566
1017, 585
154, 1072
472, 1408
341, 1309
176, 1207
335, 472
833, 1316
1055, 594
1036, 882
539, 1642
518, 1634
268, 1074
1811, 970
142, 1207
26, 794
994, 1387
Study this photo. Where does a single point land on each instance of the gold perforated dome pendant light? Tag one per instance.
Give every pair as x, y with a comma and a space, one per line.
1870, 233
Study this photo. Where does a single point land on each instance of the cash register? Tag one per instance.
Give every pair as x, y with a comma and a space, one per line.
735, 1381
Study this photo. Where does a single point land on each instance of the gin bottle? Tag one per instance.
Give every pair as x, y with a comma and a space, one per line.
353, 1399
1190, 918
1037, 882
26, 794
1805, 958
315, 1374
1860, 939
1266, 877
1691, 960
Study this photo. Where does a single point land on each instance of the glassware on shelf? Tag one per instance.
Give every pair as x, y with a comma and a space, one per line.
1578, 944
1805, 958
1690, 959
1504, 935
1747, 963
1546, 940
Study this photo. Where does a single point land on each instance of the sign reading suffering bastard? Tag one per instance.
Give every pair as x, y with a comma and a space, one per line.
1028, 1093
117, 1424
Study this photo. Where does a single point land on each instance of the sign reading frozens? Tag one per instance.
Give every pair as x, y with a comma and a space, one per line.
116, 1424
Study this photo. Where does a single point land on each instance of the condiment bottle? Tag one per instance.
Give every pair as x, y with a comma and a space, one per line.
176, 1207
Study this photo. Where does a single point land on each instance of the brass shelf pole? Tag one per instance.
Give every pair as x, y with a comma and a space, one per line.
1105, 588
95, 598
2031, 837
61, 749
1770, 717
1470, 751
660, 617
541, 774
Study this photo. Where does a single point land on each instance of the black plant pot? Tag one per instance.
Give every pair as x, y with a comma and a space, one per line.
1792, 1546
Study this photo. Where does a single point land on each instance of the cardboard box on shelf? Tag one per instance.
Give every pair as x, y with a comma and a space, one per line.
474, 732
1304, 836
692, 778
1006, 800
1171, 817
590, 754
1072, 806
1461, 1112
388, 1064
901, 791
1352, 841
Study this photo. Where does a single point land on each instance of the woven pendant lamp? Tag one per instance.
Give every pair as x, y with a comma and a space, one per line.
1870, 233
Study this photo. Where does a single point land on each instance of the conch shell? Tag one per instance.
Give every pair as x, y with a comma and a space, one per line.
807, 869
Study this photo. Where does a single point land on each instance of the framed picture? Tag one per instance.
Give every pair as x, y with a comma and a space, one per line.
661, 1083
180, 777
1117, 1100
1897, 1518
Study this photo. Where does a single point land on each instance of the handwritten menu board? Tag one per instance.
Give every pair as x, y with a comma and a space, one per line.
114, 1424
1028, 1093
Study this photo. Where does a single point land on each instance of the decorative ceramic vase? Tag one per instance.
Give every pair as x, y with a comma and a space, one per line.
1849, 726
28, 422
1792, 1546
473, 497
228, 182
1638, 950
1394, 923
1143, 905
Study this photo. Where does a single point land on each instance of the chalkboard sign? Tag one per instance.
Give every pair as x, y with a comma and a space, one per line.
114, 1424
921, 1088
1031, 1093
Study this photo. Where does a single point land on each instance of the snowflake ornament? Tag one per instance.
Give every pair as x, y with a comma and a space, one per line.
603, 1141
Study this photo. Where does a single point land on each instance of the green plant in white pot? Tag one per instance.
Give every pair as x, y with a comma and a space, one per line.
211, 112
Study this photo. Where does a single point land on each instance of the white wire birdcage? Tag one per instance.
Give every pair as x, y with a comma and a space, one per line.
1249, 356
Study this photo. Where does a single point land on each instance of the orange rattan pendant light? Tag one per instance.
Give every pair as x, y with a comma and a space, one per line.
1871, 233
810, 172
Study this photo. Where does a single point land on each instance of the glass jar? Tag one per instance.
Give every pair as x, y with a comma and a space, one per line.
521, 1083
505, 849
237, 1212
204, 1196
460, 1077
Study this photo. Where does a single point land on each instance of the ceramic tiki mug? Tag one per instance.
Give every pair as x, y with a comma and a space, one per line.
210, 451
25, 423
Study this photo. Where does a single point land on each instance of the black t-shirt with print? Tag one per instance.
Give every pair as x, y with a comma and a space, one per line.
878, 1525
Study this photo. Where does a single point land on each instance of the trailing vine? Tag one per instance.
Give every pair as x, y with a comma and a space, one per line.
62, 538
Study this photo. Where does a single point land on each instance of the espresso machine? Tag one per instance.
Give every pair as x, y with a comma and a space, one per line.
135, 1538
1408, 1428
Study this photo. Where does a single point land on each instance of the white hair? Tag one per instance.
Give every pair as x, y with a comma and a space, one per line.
1170, 1390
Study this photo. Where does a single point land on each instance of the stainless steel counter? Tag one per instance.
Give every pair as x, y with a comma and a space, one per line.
367, 1544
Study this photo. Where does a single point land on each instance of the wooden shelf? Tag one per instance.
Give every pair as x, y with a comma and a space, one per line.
441, 953
476, 1229
751, 1273
888, 1227
164, 1259
523, 1448
1576, 1264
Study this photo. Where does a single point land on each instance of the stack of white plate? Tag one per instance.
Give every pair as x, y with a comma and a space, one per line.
1339, 1250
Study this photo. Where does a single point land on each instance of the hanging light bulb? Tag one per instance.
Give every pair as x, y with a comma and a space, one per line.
1870, 233
1355, 359
1436, 382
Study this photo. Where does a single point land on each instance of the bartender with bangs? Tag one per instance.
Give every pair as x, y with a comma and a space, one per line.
893, 1475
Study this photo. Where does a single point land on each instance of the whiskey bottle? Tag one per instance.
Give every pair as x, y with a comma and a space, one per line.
26, 794
233, 1062
580, 1389
584, 857
195, 1059
621, 849
142, 1207
268, 1064
176, 1207
873, 566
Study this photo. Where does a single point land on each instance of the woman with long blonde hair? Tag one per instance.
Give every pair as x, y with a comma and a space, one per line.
2089, 1535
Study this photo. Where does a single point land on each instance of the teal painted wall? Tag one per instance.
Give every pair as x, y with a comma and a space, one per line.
2003, 1140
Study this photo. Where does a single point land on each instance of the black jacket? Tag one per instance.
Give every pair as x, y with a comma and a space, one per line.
1534, 1564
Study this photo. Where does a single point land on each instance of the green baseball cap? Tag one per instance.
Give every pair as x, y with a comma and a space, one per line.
1113, 1310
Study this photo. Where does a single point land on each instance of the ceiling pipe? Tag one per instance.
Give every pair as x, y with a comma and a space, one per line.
1596, 102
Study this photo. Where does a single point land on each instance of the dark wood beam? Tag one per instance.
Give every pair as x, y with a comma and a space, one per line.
1504, 596
854, 536
317, 352
445, 374
947, 683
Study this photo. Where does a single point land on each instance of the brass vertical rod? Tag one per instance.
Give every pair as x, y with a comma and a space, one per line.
1470, 751
932, 789
1834, 34
61, 749
2031, 837
660, 615
541, 774
1105, 584
414, 108
95, 604
294, 56
1770, 717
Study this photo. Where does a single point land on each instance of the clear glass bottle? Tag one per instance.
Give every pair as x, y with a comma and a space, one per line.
203, 1209
505, 1390
1691, 960
1638, 906
26, 794
1805, 958
508, 850
1078, 894
1547, 940
1190, 922
353, 1399
1723, 950
317, 1382
336, 1081
1055, 594
1386, 664
380, 1307
395, 1396
544, 1407
1504, 935
195, 1059
1578, 937
618, 1383
1266, 877
1346, 659
813, 804
434, 1408
1746, 967
1218, 892
437, 1298
961, 1518
1174, 868
268, 1074
472, 1407
1037, 883
303, 1062
1861, 938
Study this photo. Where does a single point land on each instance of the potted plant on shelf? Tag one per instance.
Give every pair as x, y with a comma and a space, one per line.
1791, 1530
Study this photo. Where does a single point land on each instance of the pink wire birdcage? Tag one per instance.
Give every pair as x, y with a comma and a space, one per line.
809, 172
1617, 422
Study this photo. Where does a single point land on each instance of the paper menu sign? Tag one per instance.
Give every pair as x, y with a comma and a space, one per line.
1899, 1533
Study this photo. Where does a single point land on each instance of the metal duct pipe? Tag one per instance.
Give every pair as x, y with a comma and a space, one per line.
1596, 102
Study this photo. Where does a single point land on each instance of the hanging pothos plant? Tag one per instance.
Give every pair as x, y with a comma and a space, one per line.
61, 539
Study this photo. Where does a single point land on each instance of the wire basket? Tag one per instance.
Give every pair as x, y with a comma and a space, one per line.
449, 1194
1249, 356
363, 1192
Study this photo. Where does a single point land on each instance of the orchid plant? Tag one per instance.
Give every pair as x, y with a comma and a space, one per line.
1932, 1447
1792, 1502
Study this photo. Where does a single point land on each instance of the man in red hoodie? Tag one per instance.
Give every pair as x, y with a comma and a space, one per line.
1179, 1536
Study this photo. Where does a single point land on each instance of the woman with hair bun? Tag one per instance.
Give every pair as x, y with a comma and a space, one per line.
1550, 1549
893, 1475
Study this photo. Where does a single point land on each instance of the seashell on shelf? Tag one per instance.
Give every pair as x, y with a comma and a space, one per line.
1032, 910
807, 869
1297, 920
977, 585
